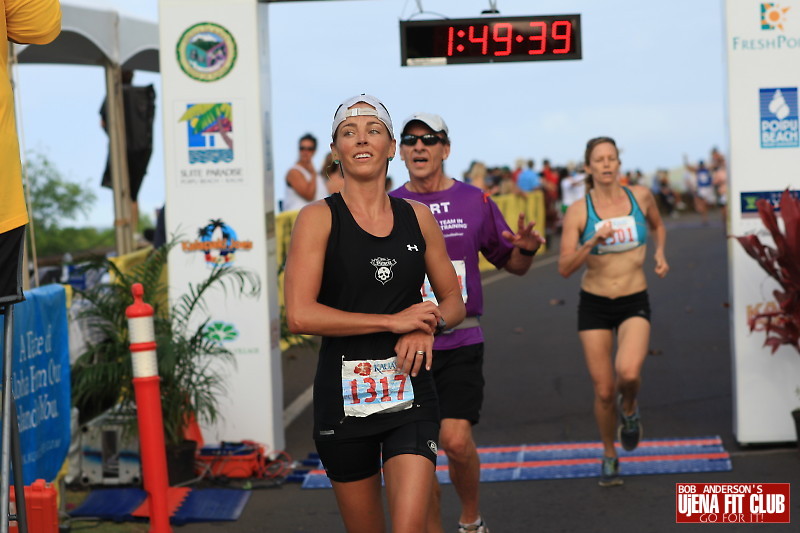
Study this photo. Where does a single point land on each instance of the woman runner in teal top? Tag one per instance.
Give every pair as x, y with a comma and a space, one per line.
624, 238
607, 231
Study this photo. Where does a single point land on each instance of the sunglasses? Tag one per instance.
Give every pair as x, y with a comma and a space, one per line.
429, 139
307, 148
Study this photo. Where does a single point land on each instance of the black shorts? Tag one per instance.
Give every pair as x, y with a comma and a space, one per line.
11, 251
359, 458
599, 312
458, 374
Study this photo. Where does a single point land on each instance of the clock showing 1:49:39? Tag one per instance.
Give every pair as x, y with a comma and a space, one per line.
490, 39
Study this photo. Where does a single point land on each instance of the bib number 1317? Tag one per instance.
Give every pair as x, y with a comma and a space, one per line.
374, 386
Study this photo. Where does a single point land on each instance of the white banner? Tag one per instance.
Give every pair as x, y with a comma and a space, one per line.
763, 51
216, 101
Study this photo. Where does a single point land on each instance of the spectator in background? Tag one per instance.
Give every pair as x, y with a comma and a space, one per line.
332, 171
551, 192
704, 195
476, 175
665, 195
26, 22
518, 169
139, 107
719, 178
573, 187
303, 183
529, 180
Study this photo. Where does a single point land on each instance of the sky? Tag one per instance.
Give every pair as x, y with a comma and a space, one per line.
652, 76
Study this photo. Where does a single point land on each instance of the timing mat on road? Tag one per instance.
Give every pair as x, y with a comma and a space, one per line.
184, 505
575, 459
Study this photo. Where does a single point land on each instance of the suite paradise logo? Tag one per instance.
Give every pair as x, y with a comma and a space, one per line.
218, 242
209, 132
206, 52
773, 16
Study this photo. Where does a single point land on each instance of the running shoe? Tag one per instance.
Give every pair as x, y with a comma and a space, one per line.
479, 528
630, 429
609, 473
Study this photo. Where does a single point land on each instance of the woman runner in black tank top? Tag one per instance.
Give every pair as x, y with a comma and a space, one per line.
353, 275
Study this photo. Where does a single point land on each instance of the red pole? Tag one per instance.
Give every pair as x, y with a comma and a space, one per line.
146, 384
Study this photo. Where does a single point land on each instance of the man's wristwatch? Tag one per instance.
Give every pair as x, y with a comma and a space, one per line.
440, 327
529, 253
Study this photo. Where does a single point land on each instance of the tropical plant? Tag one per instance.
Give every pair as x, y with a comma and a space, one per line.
782, 263
188, 359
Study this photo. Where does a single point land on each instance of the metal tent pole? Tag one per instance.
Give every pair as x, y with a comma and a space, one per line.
10, 450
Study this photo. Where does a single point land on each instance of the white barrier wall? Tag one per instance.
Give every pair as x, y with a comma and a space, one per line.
219, 179
763, 52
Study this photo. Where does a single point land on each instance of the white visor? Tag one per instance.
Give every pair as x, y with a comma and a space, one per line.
343, 112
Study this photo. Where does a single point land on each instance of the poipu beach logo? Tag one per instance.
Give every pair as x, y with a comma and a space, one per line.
206, 52
218, 242
209, 132
220, 331
773, 16
779, 120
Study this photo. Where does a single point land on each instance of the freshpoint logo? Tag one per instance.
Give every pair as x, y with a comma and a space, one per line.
779, 124
773, 16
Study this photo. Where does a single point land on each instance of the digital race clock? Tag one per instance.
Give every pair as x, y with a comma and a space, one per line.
488, 39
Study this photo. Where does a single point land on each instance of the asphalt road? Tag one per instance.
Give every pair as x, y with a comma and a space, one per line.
538, 391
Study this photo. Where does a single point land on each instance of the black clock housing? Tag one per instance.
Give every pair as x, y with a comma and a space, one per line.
490, 39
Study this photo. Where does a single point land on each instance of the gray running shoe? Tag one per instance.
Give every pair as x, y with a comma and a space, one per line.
630, 428
609, 473
480, 528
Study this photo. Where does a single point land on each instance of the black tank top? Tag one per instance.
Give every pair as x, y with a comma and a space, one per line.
368, 274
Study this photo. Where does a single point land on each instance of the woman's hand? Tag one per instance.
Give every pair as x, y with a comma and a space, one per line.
412, 349
422, 316
603, 233
661, 264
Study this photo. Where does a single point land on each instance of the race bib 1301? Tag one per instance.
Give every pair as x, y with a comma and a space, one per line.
625, 237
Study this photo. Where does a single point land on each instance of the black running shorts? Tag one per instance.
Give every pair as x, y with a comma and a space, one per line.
11, 250
359, 458
599, 312
458, 374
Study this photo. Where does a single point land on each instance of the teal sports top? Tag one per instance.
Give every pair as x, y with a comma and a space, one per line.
630, 231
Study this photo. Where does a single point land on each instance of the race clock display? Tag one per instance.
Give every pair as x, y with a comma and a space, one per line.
489, 39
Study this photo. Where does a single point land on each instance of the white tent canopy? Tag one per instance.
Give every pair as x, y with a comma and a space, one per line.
92, 36
102, 37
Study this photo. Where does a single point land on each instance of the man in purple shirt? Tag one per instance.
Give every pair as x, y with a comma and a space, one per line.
470, 222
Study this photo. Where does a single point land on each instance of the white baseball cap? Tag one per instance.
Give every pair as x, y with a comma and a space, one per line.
434, 122
344, 111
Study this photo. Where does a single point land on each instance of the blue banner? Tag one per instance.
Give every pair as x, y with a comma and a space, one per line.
41, 381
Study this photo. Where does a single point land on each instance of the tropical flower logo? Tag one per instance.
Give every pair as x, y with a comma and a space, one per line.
206, 52
221, 332
218, 242
773, 16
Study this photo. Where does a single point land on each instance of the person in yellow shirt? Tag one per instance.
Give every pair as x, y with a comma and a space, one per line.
22, 22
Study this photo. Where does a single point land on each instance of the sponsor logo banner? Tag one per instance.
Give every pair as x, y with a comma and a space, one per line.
206, 52
749, 201
778, 112
218, 242
727, 503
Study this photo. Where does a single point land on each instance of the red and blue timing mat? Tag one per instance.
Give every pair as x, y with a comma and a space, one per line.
573, 460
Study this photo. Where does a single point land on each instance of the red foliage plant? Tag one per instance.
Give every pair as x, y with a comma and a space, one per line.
782, 263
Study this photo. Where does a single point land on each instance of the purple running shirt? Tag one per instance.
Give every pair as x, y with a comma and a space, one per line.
471, 222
